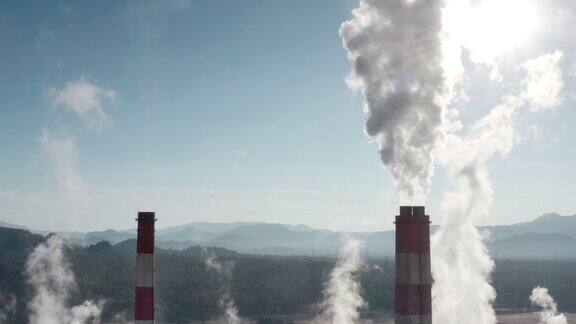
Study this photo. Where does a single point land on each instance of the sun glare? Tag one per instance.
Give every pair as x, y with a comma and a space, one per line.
490, 28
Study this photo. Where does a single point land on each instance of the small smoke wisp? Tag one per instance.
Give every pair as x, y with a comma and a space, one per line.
85, 100
549, 314
224, 271
394, 47
342, 296
52, 280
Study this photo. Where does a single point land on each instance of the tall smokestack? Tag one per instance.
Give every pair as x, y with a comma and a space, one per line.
413, 295
144, 301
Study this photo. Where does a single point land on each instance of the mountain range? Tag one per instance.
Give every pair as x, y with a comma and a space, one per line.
549, 236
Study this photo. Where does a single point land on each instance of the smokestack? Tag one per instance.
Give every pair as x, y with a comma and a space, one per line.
144, 301
413, 296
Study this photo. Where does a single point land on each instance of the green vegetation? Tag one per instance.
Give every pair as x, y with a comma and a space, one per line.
262, 286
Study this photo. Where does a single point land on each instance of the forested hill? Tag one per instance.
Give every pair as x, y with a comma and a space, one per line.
262, 286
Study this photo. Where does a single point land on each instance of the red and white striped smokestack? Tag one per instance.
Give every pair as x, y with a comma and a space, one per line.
144, 301
413, 296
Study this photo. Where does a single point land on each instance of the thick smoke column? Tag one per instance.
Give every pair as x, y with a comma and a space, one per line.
409, 71
224, 272
53, 281
342, 297
461, 265
395, 50
549, 314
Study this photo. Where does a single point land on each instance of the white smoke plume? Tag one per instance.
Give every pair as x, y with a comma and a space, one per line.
120, 318
85, 100
543, 82
224, 271
549, 314
461, 265
395, 50
53, 281
342, 296
407, 60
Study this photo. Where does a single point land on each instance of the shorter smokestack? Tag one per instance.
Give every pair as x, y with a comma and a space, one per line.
144, 301
413, 295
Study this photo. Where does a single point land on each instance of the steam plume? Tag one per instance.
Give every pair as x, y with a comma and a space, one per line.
342, 297
549, 314
395, 50
409, 69
461, 264
53, 281
224, 271
85, 100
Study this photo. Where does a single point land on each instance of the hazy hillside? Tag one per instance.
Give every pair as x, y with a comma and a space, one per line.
186, 290
546, 224
550, 236
521, 240
8, 225
535, 246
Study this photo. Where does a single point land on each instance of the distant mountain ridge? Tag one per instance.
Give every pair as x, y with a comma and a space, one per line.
550, 223
548, 236
190, 291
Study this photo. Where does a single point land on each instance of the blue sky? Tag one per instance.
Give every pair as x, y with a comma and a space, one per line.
221, 111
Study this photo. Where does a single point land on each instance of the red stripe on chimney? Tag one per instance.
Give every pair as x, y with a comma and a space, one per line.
144, 303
